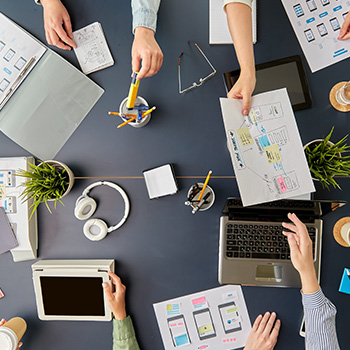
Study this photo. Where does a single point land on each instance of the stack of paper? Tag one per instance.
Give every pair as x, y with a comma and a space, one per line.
92, 50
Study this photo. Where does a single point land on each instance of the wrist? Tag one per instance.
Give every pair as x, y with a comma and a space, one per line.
309, 282
119, 315
46, 2
144, 31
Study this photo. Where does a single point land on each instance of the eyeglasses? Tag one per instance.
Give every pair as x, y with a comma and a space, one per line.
201, 80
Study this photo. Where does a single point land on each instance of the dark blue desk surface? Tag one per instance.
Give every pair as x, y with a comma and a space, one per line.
163, 251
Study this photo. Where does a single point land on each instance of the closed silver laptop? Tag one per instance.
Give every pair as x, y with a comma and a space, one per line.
252, 248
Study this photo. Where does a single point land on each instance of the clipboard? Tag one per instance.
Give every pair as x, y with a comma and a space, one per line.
48, 104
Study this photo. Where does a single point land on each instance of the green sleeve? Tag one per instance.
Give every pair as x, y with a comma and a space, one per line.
124, 335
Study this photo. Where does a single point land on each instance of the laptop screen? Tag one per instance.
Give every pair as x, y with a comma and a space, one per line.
306, 210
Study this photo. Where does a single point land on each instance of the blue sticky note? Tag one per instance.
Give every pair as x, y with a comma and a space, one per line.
345, 282
181, 340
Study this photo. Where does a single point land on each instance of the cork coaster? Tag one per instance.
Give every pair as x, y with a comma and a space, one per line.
334, 101
336, 231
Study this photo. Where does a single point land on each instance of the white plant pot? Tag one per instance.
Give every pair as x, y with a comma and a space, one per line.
71, 177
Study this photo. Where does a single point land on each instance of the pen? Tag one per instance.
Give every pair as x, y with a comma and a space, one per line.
19, 78
200, 204
127, 122
133, 91
205, 185
148, 112
116, 113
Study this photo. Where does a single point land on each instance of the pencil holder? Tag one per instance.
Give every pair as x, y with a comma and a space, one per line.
193, 195
140, 101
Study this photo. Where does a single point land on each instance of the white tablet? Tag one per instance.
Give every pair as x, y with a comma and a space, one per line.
72, 289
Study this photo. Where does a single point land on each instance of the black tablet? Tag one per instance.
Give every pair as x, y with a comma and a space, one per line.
286, 72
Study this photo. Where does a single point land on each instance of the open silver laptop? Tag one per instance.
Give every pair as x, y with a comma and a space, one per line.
252, 248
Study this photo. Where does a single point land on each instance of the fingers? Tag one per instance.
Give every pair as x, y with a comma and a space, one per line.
263, 322
108, 291
119, 287
135, 63
146, 65
276, 329
344, 31
54, 39
257, 323
64, 37
246, 104
270, 323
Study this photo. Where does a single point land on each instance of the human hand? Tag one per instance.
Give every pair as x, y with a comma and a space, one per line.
243, 90
145, 48
264, 333
116, 300
345, 29
2, 322
301, 253
58, 27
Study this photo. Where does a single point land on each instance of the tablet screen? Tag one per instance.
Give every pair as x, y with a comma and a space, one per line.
72, 296
284, 73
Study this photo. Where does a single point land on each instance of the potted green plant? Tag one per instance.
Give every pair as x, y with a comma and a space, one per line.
327, 159
49, 181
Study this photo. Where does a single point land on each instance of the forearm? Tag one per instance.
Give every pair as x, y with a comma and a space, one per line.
124, 337
309, 282
320, 330
144, 13
239, 18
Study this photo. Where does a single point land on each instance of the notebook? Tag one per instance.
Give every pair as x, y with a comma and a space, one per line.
218, 27
252, 248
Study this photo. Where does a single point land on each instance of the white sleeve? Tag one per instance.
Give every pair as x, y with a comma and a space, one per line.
246, 2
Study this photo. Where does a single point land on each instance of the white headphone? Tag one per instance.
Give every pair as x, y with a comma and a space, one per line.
85, 206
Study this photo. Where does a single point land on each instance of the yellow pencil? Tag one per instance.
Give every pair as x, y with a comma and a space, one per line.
115, 113
127, 122
204, 186
148, 112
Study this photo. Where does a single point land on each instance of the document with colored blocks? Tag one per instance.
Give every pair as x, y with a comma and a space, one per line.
215, 319
266, 149
317, 24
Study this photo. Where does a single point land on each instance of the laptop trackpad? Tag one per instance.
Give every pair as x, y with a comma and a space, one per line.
269, 273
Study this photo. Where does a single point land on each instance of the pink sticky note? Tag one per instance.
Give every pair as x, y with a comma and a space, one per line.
281, 184
200, 300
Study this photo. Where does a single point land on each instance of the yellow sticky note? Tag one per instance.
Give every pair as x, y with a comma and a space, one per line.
2, 191
245, 137
253, 115
232, 309
273, 154
169, 307
205, 329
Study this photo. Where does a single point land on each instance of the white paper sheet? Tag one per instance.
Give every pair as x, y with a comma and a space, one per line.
17, 49
266, 149
316, 24
215, 319
92, 50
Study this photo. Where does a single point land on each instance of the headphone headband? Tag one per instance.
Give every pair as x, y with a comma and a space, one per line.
117, 188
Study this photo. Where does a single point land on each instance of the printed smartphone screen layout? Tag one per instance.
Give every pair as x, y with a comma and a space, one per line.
204, 324
178, 331
230, 317
64, 296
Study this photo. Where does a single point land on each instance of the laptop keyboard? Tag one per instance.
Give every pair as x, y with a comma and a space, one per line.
260, 241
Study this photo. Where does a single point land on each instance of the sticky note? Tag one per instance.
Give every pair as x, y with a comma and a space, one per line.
253, 115
205, 329
345, 282
199, 302
281, 184
232, 309
273, 154
2, 191
245, 137
172, 309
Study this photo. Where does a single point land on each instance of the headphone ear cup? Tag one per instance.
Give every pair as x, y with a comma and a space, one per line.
84, 208
102, 229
